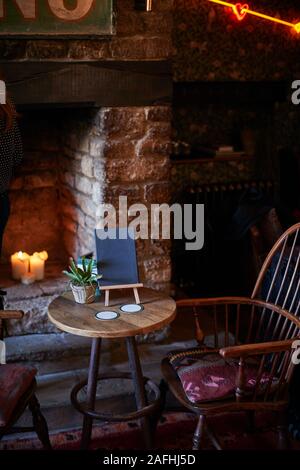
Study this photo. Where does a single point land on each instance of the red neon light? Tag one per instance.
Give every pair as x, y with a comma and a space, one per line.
241, 11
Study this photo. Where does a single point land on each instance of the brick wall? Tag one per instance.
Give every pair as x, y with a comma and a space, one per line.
116, 152
137, 165
34, 224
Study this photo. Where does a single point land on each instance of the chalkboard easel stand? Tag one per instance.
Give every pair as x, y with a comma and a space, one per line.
135, 287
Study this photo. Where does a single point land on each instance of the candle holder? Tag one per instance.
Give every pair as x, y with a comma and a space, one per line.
28, 279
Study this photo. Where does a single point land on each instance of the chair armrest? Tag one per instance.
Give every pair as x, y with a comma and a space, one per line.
11, 314
202, 302
256, 349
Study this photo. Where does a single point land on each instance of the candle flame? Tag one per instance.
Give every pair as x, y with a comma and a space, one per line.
43, 255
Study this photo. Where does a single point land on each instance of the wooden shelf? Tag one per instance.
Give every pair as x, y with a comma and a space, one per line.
226, 158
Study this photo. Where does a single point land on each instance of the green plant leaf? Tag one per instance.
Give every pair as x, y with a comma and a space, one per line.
74, 271
90, 266
81, 273
82, 276
71, 276
66, 273
73, 265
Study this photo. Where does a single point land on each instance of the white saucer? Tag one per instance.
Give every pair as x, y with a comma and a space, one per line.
131, 308
107, 315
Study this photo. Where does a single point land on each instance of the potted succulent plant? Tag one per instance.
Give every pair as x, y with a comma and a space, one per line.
83, 281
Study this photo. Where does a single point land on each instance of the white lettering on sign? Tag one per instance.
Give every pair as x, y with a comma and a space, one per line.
26, 7
61, 11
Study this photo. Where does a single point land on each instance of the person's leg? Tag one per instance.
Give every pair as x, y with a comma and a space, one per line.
4, 215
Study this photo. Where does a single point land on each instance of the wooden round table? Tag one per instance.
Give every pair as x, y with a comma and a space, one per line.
158, 311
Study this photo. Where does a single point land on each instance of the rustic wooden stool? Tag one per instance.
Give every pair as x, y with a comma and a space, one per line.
158, 311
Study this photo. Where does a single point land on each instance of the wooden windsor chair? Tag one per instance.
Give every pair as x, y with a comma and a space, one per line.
17, 391
249, 366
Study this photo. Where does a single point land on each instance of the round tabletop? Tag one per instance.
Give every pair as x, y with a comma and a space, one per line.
79, 319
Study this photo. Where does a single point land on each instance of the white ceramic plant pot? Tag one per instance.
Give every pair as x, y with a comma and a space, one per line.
84, 294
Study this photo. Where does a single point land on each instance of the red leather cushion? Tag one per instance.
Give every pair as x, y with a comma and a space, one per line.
14, 381
206, 376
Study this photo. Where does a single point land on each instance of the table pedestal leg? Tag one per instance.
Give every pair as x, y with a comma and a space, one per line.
140, 393
91, 392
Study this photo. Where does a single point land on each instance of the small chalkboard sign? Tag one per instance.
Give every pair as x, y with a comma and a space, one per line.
116, 260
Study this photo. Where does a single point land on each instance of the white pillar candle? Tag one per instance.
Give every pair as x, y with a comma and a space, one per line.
19, 265
37, 265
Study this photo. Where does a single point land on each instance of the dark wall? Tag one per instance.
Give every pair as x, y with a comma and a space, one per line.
234, 79
249, 116
212, 45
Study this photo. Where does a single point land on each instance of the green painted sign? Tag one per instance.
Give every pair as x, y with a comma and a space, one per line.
56, 17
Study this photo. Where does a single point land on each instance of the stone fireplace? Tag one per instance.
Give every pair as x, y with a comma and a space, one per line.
108, 134
74, 161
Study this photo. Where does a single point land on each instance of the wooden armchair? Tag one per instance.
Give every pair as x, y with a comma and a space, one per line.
17, 391
249, 365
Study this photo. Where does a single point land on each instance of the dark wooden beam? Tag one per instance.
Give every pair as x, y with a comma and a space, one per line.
96, 84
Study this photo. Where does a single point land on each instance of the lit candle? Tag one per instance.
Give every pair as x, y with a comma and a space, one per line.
37, 265
19, 264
